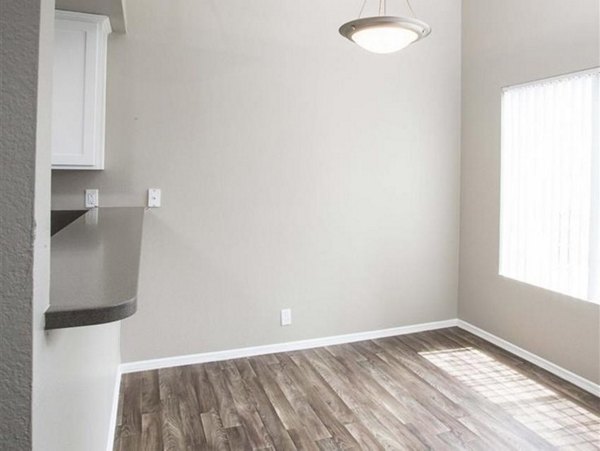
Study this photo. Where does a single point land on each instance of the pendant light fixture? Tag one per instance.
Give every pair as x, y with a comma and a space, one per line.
383, 33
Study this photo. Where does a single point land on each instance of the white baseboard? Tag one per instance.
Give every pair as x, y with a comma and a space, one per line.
567, 375
112, 426
191, 359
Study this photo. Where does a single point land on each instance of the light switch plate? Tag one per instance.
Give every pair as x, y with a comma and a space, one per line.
286, 317
91, 198
153, 197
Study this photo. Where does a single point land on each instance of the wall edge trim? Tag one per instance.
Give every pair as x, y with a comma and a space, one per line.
190, 359
112, 424
569, 376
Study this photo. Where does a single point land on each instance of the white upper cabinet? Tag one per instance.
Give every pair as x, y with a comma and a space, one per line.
78, 97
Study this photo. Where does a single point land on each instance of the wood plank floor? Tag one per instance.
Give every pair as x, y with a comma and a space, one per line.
444, 389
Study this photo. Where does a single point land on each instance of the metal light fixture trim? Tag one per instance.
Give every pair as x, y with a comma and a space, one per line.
385, 34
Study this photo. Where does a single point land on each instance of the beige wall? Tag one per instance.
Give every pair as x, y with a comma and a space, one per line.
508, 42
297, 171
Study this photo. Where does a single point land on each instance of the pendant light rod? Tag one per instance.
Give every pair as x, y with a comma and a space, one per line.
412, 11
362, 8
383, 7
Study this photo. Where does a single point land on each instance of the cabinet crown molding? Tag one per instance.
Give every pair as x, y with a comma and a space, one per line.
102, 21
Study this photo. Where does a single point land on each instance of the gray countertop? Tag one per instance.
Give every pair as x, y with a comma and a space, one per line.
95, 267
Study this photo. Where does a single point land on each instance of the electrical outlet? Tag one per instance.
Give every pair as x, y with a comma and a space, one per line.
286, 317
153, 197
91, 198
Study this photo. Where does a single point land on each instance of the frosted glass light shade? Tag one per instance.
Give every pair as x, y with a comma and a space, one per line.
384, 34
384, 38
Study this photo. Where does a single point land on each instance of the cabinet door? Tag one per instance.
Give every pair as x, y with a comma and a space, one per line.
78, 91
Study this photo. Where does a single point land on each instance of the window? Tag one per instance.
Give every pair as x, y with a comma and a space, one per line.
550, 184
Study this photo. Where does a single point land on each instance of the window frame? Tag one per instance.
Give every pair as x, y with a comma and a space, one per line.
594, 239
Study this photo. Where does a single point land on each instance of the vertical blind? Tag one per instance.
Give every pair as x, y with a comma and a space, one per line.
550, 184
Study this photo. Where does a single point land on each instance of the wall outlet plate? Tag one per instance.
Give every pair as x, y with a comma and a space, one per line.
153, 197
286, 317
91, 199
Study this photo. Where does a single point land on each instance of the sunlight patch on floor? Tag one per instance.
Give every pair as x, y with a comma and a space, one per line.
558, 420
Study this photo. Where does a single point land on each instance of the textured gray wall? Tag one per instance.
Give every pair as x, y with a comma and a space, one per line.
297, 171
19, 35
507, 42
74, 370
56, 388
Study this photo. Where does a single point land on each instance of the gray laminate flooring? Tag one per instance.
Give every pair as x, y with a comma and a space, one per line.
444, 389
